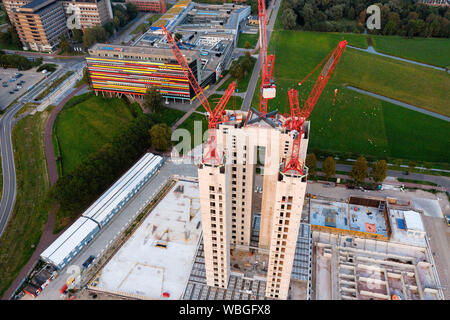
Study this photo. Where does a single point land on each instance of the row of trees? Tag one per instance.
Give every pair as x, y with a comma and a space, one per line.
10, 38
239, 69
404, 18
122, 15
18, 61
76, 190
359, 170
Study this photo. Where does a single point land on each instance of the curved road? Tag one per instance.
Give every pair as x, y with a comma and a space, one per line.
7, 122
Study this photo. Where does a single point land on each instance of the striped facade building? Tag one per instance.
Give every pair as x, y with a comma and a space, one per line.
150, 5
131, 70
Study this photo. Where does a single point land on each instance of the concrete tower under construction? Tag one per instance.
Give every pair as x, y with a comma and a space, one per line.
227, 201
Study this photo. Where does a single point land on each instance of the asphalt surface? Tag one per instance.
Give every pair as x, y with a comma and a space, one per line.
119, 223
440, 180
256, 70
7, 122
400, 103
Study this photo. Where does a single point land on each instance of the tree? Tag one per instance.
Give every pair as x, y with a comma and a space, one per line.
77, 35
116, 22
311, 163
246, 63
160, 136
359, 169
93, 35
131, 10
289, 19
64, 45
247, 45
178, 36
109, 27
153, 100
236, 70
379, 171
329, 167
15, 40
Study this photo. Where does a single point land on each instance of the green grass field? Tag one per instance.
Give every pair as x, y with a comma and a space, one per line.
83, 128
251, 38
395, 79
168, 116
433, 51
359, 123
26, 224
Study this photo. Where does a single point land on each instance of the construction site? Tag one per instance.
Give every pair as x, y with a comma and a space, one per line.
153, 262
252, 235
359, 216
354, 268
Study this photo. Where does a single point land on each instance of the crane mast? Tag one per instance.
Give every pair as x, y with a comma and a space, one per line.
215, 116
298, 117
268, 88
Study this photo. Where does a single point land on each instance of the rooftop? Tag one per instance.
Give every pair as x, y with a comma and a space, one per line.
157, 257
36, 5
345, 216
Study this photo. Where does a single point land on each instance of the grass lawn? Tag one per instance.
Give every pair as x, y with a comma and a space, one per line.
83, 128
395, 79
359, 123
251, 38
168, 116
140, 28
29, 216
189, 123
243, 83
433, 51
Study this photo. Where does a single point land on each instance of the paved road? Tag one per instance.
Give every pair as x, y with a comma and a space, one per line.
371, 49
400, 103
439, 242
255, 74
7, 122
119, 222
440, 180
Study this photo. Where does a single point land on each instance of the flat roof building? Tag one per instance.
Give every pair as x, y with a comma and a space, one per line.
155, 262
149, 61
40, 24
149, 5
226, 198
89, 13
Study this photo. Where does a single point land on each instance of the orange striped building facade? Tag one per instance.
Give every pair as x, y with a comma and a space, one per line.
130, 75
150, 5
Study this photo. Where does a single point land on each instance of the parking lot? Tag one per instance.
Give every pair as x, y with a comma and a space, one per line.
18, 86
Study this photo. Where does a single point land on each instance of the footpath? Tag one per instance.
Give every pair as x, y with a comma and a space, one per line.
47, 236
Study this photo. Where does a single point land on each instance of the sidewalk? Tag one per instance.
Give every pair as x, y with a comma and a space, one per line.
393, 183
47, 236
197, 103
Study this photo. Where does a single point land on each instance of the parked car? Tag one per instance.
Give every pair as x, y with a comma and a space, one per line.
19, 86
16, 89
11, 92
88, 262
405, 173
447, 218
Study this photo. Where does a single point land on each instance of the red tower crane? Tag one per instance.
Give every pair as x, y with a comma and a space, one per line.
298, 117
268, 88
215, 116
